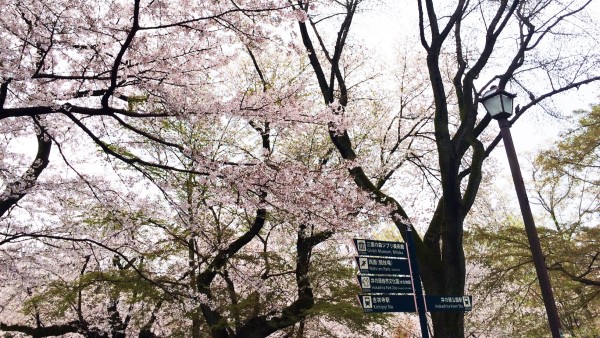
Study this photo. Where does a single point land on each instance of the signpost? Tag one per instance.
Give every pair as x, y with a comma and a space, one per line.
389, 277
385, 284
387, 303
448, 303
370, 247
372, 303
384, 266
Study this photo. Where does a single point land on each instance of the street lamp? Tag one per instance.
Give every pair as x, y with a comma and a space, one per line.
499, 104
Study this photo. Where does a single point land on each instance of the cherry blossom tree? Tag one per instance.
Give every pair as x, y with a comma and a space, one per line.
518, 42
193, 185
177, 151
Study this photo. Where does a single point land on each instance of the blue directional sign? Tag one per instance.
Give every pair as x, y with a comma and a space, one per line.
370, 247
448, 303
387, 303
387, 266
406, 303
385, 284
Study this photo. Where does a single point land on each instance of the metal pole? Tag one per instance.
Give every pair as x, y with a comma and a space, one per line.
532, 236
416, 281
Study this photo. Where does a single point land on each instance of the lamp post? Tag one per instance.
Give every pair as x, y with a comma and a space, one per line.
499, 105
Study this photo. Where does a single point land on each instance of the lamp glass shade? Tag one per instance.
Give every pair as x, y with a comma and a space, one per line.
498, 103
507, 103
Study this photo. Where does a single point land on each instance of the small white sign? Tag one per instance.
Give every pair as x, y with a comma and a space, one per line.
361, 245
363, 263
367, 302
366, 282
466, 301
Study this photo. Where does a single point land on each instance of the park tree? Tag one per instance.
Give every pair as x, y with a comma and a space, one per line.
513, 48
124, 86
193, 185
565, 178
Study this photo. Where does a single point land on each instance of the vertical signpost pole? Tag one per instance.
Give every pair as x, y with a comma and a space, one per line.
416, 281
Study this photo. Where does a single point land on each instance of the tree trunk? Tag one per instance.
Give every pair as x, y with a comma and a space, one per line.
448, 324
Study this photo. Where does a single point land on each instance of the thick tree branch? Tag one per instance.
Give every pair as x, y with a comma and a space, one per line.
213, 318
16, 190
295, 312
114, 73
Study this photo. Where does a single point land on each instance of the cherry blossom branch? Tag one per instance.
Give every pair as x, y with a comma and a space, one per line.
4, 92
205, 278
129, 160
130, 263
15, 191
184, 23
124, 47
297, 310
43, 331
47, 110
